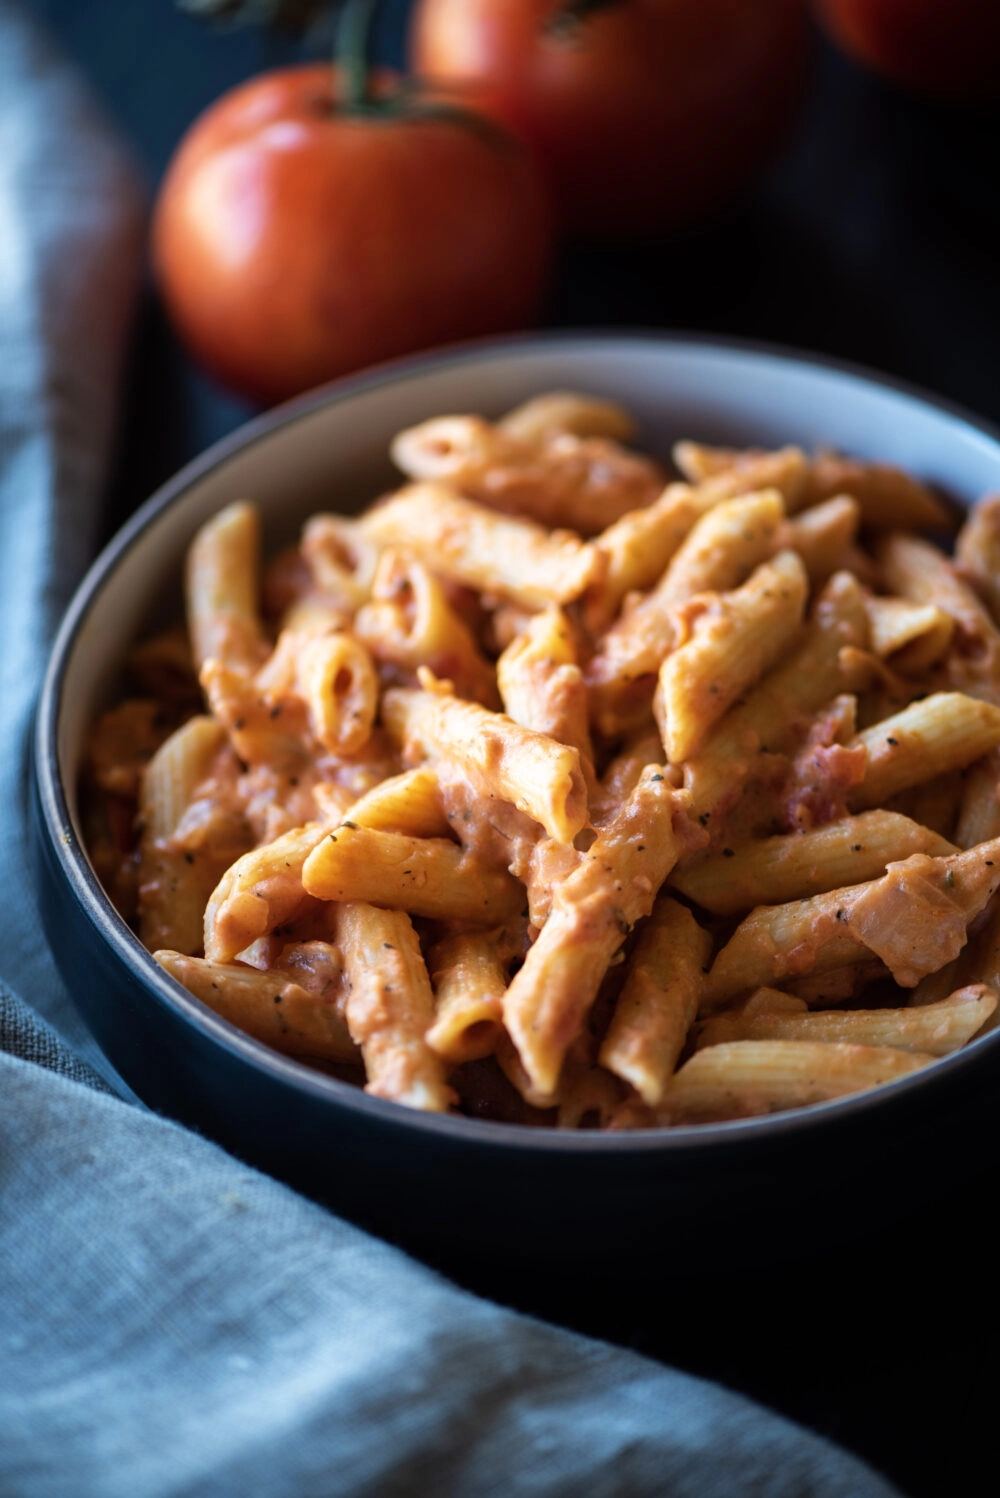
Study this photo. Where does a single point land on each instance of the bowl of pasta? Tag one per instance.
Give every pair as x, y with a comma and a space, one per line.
548, 794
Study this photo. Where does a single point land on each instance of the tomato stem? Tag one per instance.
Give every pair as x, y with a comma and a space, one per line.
565, 22
578, 10
354, 35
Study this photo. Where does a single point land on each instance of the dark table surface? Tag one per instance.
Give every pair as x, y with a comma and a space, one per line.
873, 238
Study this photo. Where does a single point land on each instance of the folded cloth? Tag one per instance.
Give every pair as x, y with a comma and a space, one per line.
172, 1322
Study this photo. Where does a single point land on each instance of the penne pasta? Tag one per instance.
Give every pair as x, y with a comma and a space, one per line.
468, 543
613, 886
557, 475
977, 552
915, 919
922, 573
341, 559
428, 876
658, 1001
978, 818
259, 892
934, 1030
549, 791
718, 554
409, 622
915, 636
817, 670
541, 684
945, 731
888, 498
338, 684
558, 412
389, 1007
774, 870
469, 979
178, 869
729, 641
821, 536
746, 1077
223, 610
498, 756
727, 473
270, 1006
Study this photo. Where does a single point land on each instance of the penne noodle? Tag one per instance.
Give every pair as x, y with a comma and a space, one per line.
588, 1098
977, 552
341, 559
914, 635
541, 684
746, 1077
428, 876
561, 478
934, 1030
408, 803
263, 890
658, 1001
469, 979
637, 548
945, 731
270, 1006
817, 670
730, 640
888, 498
775, 870
613, 886
264, 729
978, 818
922, 573
177, 873
559, 412
173, 773
223, 610
718, 554
821, 536
915, 919
641, 543
389, 1007
260, 892
338, 684
468, 543
726, 472
498, 756
409, 622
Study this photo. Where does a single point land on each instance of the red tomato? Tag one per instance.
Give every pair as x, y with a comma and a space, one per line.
946, 47
647, 112
294, 242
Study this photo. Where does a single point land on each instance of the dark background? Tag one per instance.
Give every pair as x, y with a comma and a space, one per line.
873, 237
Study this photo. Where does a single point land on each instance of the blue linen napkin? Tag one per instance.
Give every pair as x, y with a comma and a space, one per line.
172, 1322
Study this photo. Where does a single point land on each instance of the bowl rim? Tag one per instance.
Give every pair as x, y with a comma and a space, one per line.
156, 984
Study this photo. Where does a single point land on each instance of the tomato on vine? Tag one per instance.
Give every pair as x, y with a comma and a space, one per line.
949, 48
319, 219
646, 112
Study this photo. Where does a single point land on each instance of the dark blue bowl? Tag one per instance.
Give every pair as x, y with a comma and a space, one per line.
451, 1187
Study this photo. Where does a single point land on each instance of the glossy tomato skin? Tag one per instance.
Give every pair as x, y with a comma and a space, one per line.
293, 243
950, 48
646, 112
